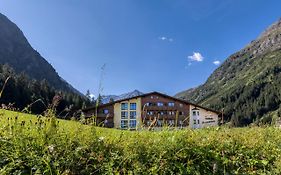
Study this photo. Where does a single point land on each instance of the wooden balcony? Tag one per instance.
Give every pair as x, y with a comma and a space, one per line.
160, 108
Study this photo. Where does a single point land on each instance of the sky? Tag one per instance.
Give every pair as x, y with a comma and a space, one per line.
161, 45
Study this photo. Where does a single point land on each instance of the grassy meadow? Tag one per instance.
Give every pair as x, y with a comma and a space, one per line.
36, 145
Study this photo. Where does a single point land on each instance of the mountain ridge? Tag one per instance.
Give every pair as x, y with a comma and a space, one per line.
17, 52
242, 80
108, 98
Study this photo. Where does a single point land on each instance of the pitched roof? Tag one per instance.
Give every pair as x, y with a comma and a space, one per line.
153, 93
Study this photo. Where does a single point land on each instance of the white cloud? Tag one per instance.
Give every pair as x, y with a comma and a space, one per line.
164, 38
196, 57
217, 62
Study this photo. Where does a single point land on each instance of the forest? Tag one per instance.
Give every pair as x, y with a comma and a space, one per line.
22, 93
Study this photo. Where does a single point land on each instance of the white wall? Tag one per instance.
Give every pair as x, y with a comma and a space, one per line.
206, 118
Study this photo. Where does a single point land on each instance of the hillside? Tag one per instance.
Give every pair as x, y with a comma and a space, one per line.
248, 84
16, 51
45, 145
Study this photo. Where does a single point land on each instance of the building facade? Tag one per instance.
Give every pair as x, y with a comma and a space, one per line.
152, 110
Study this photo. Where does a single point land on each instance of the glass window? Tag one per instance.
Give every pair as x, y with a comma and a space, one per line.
133, 106
171, 122
159, 122
124, 123
181, 105
194, 113
198, 113
151, 97
105, 111
124, 106
124, 115
133, 123
194, 122
160, 104
198, 121
171, 104
149, 112
133, 114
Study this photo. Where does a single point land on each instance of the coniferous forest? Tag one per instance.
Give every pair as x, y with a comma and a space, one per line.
29, 95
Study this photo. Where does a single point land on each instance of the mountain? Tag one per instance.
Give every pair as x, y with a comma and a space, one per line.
248, 84
108, 98
16, 51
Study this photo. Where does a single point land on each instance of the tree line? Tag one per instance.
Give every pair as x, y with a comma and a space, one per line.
25, 94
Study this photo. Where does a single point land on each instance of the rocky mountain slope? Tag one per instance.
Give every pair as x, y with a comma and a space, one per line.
108, 98
18, 53
248, 84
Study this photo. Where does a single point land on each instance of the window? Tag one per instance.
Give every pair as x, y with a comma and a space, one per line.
171, 104
198, 121
171, 122
124, 106
171, 112
133, 114
133, 106
105, 111
181, 105
160, 104
159, 122
194, 122
198, 113
149, 112
124, 124
194, 113
161, 113
181, 113
124, 115
133, 123
151, 97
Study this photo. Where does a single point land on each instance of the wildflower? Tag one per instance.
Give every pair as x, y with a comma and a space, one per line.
51, 148
101, 139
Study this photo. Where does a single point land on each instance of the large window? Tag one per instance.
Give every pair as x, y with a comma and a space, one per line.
124, 106
105, 111
160, 104
128, 115
133, 114
124, 115
124, 124
171, 104
133, 106
133, 123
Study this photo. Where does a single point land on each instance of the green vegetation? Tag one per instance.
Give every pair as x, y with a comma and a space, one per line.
248, 84
38, 145
31, 95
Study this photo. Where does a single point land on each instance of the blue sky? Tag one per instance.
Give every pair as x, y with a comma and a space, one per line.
160, 45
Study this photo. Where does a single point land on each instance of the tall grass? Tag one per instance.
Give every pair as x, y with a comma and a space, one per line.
45, 145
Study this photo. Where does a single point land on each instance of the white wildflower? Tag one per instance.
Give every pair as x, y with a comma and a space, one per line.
101, 139
51, 148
